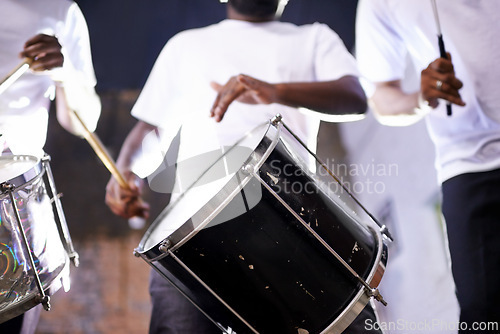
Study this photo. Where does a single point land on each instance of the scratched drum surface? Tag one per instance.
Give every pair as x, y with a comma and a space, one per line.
254, 257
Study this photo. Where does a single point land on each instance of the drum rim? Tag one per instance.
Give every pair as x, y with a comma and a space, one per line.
33, 298
359, 302
242, 177
220, 200
26, 176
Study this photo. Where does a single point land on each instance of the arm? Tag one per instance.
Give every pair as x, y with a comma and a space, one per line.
126, 202
73, 96
392, 106
395, 107
71, 93
337, 97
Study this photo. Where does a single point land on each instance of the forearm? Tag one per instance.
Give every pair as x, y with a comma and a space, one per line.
70, 98
133, 144
391, 100
392, 106
338, 97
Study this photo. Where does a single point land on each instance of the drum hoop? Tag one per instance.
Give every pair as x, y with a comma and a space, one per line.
361, 299
218, 202
24, 178
213, 207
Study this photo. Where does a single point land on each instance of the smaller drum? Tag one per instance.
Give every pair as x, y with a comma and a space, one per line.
261, 244
35, 247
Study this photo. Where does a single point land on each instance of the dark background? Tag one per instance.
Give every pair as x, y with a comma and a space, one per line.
127, 35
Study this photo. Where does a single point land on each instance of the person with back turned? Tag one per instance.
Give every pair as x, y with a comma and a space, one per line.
466, 136
241, 72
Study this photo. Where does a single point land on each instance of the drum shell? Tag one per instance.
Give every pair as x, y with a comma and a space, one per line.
18, 288
264, 271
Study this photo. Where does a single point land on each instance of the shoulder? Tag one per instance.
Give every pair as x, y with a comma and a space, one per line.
194, 33
60, 8
321, 33
317, 29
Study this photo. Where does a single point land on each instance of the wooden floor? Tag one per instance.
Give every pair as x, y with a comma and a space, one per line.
108, 291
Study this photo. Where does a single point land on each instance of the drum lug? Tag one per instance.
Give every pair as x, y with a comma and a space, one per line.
165, 246
45, 301
248, 169
6, 187
375, 293
276, 119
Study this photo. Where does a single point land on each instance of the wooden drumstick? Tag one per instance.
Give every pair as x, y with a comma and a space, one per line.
15, 74
94, 141
102, 153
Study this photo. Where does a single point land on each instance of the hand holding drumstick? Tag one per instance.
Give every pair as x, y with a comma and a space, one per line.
123, 196
125, 201
438, 81
40, 53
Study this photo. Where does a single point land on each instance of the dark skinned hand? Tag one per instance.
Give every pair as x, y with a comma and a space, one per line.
441, 70
45, 52
125, 202
241, 88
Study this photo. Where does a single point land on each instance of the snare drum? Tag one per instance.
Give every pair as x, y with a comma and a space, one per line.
260, 244
35, 247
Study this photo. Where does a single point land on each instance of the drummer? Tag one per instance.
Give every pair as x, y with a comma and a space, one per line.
60, 66
212, 85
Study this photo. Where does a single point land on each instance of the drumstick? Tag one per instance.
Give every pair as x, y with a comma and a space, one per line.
94, 141
442, 50
102, 153
15, 74
88, 135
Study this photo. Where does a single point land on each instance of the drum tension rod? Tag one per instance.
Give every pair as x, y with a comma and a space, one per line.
42, 298
383, 228
370, 291
61, 223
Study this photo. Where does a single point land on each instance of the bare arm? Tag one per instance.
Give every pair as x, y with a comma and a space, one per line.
127, 202
71, 93
338, 97
389, 99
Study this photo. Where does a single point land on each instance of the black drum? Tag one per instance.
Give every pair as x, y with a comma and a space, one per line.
260, 244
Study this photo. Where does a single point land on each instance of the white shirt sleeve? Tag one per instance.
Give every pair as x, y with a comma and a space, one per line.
332, 59
380, 51
77, 73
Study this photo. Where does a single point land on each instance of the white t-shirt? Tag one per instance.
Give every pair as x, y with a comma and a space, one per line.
177, 93
389, 31
24, 105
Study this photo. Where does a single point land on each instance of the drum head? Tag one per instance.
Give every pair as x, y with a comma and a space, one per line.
18, 169
207, 195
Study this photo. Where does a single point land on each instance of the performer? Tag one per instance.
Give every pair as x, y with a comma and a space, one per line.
53, 35
246, 60
467, 142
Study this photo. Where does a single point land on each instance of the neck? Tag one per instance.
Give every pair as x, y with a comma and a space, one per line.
234, 15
